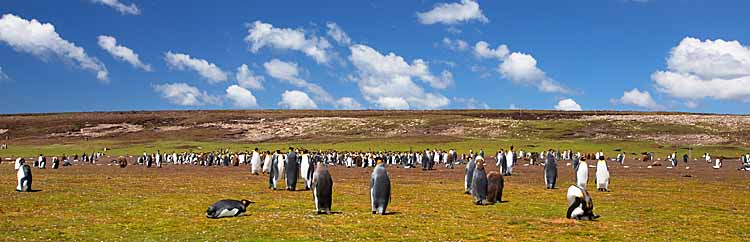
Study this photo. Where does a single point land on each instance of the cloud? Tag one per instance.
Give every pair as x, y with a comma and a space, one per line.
386, 80
3, 76
185, 95
296, 100
41, 40
714, 69
455, 44
289, 72
120, 7
453, 13
348, 103
567, 105
471, 103
522, 69
109, 44
482, 50
338, 34
247, 79
241, 97
265, 35
638, 98
207, 70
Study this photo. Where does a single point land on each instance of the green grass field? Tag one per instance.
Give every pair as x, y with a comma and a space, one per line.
106, 203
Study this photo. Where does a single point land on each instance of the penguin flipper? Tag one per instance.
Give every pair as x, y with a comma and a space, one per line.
572, 207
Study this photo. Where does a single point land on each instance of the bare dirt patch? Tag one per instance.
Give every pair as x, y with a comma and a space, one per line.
101, 130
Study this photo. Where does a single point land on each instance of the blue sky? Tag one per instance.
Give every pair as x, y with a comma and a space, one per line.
679, 55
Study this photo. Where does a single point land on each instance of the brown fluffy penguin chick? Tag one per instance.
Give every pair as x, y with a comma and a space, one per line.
495, 185
122, 162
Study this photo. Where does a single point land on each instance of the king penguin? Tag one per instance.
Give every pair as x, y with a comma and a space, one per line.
322, 188
495, 185
255, 162
470, 166
582, 174
479, 184
550, 171
24, 178
580, 205
227, 208
602, 176
380, 188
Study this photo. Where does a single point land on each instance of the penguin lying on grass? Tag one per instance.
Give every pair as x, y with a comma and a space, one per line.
227, 208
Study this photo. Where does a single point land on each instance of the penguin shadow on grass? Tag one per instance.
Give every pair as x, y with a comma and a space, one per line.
32, 190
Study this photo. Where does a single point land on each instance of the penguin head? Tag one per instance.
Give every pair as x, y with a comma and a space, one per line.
480, 164
245, 202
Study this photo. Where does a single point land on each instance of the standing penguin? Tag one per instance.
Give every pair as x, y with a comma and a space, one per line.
380, 188
306, 169
582, 174
322, 188
470, 166
227, 208
55, 162
274, 173
550, 171
267, 161
602, 176
580, 205
292, 170
495, 185
479, 184
24, 178
255, 163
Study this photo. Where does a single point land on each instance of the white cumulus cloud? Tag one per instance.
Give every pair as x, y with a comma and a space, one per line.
296, 100
289, 72
482, 50
265, 35
109, 44
697, 69
42, 41
456, 44
387, 80
567, 105
452, 13
120, 7
247, 79
522, 68
338, 34
348, 103
241, 97
638, 98
207, 70
185, 95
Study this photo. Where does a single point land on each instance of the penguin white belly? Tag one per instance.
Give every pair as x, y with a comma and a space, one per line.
578, 211
315, 195
229, 212
20, 176
582, 175
602, 176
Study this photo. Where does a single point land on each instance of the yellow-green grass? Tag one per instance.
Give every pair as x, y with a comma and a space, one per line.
106, 203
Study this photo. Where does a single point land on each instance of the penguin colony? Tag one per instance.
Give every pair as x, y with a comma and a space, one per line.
485, 187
